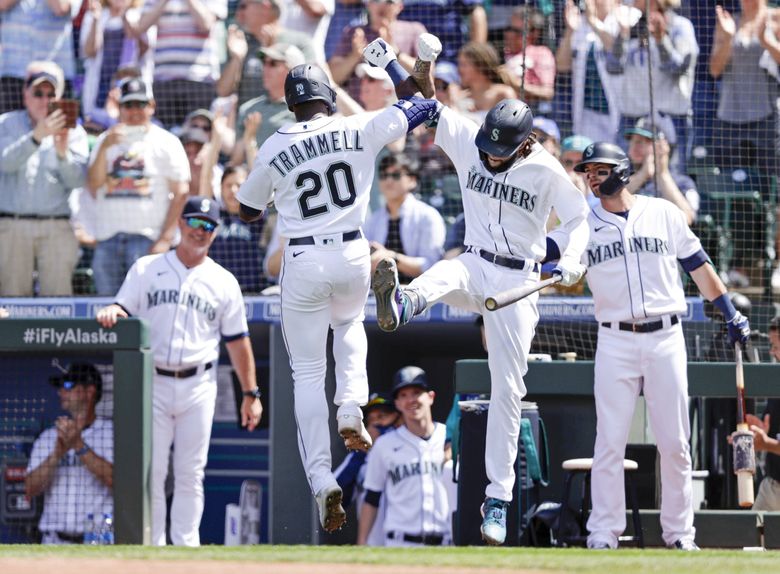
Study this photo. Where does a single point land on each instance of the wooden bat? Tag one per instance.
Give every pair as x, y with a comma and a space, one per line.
501, 300
744, 452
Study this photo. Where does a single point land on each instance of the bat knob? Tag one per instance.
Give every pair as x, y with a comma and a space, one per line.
490, 304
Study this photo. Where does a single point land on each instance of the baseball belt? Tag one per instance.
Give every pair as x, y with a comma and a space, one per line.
426, 539
648, 327
503, 261
182, 374
309, 240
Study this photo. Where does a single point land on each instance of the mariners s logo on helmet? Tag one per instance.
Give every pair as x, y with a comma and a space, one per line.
299, 89
494, 135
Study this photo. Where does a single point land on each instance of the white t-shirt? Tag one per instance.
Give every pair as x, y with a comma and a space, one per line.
190, 309
315, 27
75, 491
136, 196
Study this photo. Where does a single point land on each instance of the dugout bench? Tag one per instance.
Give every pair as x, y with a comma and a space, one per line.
563, 390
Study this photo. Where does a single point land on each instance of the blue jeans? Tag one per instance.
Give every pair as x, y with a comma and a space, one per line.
114, 257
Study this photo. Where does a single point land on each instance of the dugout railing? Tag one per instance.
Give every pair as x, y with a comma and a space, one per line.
126, 346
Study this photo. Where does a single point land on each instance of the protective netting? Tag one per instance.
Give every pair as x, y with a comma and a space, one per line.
688, 89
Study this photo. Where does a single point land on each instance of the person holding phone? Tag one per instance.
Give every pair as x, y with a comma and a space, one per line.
42, 160
139, 176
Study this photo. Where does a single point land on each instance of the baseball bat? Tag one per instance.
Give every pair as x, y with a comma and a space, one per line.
501, 300
744, 452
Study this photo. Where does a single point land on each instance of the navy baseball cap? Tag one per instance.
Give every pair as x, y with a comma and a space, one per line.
133, 90
410, 377
79, 374
203, 207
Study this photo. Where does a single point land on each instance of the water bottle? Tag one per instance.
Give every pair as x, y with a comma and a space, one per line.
90, 533
107, 530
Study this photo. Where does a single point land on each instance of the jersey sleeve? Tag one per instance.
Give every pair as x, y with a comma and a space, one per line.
41, 449
455, 135
375, 467
685, 241
385, 127
233, 322
258, 189
129, 295
572, 210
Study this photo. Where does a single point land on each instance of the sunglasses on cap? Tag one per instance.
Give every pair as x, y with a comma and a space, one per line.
68, 385
198, 223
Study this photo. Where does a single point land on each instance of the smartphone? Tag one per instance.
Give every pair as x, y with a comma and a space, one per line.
70, 108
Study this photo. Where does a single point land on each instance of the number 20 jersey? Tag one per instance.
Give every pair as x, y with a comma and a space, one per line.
319, 173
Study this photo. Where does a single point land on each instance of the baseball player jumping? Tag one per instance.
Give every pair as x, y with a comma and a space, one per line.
318, 172
190, 302
636, 243
509, 185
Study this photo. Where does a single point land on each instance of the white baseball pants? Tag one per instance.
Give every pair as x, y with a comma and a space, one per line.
627, 363
325, 286
465, 282
183, 410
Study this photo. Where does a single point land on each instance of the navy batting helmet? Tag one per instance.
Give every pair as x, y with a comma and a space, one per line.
308, 82
506, 127
601, 152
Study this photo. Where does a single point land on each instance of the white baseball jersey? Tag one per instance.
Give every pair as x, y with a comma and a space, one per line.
188, 309
634, 260
319, 173
409, 472
75, 491
506, 212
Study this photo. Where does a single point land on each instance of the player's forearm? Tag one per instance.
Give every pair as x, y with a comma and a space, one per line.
366, 522
99, 467
243, 361
38, 480
708, 282
341, 67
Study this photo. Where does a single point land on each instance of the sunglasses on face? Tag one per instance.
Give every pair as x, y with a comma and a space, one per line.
39, 94
134, 105
198, 223
396, 175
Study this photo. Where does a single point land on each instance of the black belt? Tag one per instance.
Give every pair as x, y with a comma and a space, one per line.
649, 327
510, 262
347, 236
32, 216
75, 538
183, 374
426, 539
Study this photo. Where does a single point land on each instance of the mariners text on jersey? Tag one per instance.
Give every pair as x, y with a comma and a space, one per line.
606, 251
185, 298
315, 146
416, 468
478, 182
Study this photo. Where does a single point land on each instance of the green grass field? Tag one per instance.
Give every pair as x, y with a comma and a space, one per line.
559, 560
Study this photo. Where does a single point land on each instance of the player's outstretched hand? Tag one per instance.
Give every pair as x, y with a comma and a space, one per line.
108, 316
570, 271
739, 329
428, 47
378, 53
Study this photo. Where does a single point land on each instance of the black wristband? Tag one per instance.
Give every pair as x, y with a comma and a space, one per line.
83, 450
35, 141
254, 393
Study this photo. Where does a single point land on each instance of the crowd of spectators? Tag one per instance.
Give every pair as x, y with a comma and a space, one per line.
177, 95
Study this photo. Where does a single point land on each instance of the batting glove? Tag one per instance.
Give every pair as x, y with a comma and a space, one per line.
570, 271
378, 53
428, 47
739, 329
